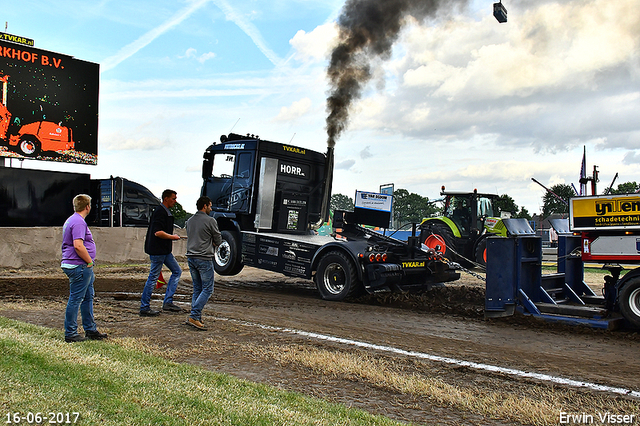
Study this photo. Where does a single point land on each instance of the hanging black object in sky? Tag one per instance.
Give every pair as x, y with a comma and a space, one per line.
500, 12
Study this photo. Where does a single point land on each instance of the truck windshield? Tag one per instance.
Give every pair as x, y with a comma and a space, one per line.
223, 165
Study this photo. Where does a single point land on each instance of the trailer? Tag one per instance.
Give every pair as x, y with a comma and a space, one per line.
271, 201
603, 229
117, 202
44, 198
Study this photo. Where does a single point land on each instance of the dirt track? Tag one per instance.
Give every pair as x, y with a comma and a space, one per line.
250, 314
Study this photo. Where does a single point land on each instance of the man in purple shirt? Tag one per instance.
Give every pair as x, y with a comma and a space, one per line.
78, 253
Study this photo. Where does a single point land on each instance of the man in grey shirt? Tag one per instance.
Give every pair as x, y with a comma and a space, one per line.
202, 236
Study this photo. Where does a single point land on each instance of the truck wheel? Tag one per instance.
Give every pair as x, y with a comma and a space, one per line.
29, 147
481, 252
439, 235
629, 298
336, 277
227, 259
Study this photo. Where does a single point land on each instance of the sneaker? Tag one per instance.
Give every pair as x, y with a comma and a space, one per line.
76, 338
95, 335
196, 323
171, 307
149, 313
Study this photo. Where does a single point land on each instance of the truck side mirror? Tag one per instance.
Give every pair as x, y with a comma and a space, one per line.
207, 168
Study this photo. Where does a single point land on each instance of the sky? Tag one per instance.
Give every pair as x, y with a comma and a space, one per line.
461, 101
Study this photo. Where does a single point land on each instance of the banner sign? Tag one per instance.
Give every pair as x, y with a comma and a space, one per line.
373, 209
373, 201
613, 212
17, 39
49, 105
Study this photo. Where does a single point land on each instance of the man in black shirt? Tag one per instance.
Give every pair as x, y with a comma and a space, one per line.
158, 245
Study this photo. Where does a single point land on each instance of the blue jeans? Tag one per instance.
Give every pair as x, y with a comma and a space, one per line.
81, 292
202, 277
154, 272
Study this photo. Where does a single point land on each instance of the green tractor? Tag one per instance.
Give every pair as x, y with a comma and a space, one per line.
469, 218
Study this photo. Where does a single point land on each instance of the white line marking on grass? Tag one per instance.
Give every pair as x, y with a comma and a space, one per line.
446, 360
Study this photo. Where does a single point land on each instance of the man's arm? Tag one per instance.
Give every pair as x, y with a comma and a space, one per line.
166, 236
158, 221
78, 244
215, 233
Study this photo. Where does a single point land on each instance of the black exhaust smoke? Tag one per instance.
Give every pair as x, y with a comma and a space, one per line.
368, 30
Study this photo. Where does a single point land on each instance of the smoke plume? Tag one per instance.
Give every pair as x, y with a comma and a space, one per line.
368, 30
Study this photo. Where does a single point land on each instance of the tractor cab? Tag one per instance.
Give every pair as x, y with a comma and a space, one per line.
467, 219
468, 210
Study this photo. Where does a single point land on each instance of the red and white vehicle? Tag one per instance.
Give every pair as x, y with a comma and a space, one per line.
32, 138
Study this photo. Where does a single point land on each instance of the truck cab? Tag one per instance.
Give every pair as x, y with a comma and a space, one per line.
261, 185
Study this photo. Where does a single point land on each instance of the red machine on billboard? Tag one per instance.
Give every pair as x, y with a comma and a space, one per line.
49, 108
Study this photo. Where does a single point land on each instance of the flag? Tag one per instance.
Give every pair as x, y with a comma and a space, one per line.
161, 281
583, 173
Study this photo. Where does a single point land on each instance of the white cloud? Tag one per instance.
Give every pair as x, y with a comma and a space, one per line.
206, 56
190, 53
296, 110
345, 165
119, 142
366, 153
548, 46
316, 45
193, 53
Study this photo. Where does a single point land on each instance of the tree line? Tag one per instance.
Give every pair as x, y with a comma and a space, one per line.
409, 207
412, 208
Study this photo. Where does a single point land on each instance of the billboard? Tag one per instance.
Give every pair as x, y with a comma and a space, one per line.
49, 105
604, 212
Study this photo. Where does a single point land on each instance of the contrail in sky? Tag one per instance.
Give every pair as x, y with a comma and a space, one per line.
249, 29
133, 48
368, 30
230, 14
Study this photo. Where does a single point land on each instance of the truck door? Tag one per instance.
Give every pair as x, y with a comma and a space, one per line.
242, 183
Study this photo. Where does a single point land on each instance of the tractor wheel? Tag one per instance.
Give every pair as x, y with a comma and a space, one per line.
438, 234
629, 299
336, 277
481, 252
29, 147
227, 259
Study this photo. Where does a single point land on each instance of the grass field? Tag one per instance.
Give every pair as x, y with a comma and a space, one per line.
117, 383
125, 381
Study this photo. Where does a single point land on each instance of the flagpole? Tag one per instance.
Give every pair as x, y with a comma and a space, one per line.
583, 173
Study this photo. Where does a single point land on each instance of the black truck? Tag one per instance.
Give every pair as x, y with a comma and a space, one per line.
270, 199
